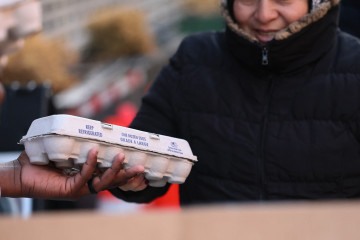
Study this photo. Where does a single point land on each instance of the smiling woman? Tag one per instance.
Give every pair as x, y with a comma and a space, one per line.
270, 105
263, 19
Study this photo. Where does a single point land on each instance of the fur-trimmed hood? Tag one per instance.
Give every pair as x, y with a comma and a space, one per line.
317, 13
296, 46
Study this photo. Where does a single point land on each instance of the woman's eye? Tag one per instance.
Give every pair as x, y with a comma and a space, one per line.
247, 2
284, 1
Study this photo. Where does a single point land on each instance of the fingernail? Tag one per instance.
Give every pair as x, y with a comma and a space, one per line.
95, 150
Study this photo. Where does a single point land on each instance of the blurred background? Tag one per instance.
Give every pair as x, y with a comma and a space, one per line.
95, 59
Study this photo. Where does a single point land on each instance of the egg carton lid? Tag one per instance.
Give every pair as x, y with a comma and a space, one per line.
73, 126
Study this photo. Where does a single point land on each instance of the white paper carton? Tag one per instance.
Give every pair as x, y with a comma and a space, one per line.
66, 141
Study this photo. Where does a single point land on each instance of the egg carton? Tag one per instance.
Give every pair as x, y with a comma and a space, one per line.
66, 140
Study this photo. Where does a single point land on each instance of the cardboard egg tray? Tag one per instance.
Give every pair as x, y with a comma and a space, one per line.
66, 141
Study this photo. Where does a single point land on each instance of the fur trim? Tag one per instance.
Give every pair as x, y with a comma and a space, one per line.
232, 24
294, 27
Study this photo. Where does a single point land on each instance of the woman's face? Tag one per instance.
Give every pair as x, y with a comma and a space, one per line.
263, 18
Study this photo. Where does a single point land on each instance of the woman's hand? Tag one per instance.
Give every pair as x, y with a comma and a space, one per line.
116, 176
136, 183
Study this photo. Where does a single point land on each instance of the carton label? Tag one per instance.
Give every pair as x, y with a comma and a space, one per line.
134, 139
89, 130
174, 148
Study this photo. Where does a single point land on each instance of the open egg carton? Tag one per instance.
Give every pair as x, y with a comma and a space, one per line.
66, 141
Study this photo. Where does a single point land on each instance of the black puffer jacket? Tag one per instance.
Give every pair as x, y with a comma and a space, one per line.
267, 123
350, 17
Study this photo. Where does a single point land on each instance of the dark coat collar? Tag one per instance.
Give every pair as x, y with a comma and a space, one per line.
290, 54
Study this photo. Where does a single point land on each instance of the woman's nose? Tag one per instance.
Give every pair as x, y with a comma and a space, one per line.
265, 11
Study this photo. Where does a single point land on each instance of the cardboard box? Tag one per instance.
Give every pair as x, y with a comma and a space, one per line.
281, 221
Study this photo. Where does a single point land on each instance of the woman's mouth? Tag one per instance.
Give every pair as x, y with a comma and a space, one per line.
264, 36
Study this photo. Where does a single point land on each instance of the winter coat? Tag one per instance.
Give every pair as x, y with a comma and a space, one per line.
350, 17
274, 122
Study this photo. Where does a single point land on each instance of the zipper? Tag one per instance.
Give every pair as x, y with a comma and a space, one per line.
265, 56
264, 130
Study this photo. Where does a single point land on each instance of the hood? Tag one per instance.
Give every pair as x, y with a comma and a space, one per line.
317, 13
293, 47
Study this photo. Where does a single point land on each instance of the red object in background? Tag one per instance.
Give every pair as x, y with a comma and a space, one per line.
124, 115
169, 200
